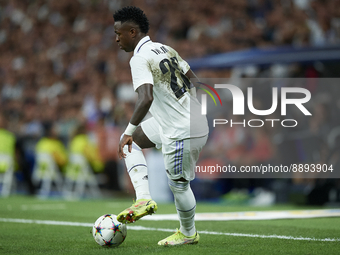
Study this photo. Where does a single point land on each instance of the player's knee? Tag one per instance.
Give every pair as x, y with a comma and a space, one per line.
178, 186
141, 139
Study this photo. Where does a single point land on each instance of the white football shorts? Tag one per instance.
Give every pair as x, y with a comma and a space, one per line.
180, 156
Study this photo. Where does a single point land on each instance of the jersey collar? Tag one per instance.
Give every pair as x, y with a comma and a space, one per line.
142, 41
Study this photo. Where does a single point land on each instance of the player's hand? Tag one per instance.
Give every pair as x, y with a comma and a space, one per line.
126, 140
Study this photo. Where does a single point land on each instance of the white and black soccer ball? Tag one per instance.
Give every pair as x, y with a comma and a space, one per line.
107, 231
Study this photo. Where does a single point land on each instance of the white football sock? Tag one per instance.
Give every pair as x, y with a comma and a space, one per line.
185, 204
138, 171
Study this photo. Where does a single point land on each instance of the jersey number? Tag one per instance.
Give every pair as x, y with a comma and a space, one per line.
175, 73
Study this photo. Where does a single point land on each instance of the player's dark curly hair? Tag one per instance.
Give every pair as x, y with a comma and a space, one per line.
134, 14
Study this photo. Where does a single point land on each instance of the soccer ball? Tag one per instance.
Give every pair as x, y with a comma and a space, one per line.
107, 231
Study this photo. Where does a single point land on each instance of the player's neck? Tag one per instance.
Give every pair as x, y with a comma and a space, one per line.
139, 37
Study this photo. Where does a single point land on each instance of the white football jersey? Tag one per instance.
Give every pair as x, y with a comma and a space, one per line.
175, 106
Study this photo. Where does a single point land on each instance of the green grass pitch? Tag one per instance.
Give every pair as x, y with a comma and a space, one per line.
23, 238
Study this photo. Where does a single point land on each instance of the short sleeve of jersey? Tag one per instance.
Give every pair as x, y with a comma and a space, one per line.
140, 71
184, 66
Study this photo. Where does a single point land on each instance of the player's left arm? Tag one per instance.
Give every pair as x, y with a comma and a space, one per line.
191, 75
144, 101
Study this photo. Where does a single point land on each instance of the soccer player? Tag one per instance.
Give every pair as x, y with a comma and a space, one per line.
161, 79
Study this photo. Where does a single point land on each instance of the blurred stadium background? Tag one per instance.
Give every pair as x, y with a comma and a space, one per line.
63, 77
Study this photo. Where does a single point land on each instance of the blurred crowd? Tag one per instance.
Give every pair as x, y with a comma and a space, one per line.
60, 64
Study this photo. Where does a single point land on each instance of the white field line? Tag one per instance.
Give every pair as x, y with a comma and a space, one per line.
38, 207
252, 215
139, 228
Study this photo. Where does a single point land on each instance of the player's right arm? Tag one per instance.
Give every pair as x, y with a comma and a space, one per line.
144, 101
143, 84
